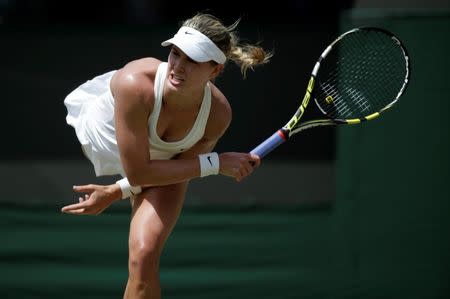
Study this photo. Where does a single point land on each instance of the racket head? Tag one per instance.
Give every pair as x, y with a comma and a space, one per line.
361, 74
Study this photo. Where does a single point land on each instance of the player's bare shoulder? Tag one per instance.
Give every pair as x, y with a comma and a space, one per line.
220, 114
136, 80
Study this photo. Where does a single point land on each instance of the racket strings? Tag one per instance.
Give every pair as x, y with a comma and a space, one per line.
358, 98
367, 75
354, 77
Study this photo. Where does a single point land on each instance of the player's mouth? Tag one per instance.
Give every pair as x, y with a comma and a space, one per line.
176, 80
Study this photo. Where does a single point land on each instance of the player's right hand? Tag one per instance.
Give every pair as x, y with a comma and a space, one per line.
95, 200
238, 165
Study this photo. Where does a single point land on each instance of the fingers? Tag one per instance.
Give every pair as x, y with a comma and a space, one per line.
247, 166
255, 161
85, 188
75, 208
246, 169
81, 199
81, 208
78, 212
89, 203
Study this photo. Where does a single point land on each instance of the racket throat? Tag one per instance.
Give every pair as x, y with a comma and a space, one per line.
283, 133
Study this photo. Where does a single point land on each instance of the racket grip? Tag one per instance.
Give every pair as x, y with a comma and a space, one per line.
270, 143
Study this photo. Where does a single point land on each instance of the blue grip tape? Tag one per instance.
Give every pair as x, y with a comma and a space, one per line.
269, 144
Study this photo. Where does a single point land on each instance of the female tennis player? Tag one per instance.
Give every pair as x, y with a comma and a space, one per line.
156, 124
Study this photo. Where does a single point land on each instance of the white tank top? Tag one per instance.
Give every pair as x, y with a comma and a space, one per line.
91, 112
160, 149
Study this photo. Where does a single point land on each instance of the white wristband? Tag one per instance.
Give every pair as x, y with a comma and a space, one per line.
209, 164
127, 189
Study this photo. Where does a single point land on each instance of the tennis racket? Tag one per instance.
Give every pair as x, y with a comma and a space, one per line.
363, 72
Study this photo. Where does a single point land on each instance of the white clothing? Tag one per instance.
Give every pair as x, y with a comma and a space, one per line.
91, 112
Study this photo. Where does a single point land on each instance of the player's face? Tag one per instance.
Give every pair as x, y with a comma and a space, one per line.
183, 72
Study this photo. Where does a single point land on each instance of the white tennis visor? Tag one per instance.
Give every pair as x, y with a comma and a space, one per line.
196, 45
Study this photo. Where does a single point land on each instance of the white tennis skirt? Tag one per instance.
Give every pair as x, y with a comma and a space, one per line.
105, 157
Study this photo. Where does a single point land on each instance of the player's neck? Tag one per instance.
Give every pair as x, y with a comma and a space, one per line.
183, 100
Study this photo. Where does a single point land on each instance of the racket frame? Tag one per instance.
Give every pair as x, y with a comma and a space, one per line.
293, 126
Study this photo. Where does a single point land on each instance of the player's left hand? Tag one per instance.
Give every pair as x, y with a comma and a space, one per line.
95, 200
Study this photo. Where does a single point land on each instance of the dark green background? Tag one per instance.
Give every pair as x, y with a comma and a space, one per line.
384, 235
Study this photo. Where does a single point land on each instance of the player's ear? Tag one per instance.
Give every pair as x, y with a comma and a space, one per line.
218, 68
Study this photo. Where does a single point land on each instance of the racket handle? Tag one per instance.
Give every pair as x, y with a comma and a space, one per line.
270, 143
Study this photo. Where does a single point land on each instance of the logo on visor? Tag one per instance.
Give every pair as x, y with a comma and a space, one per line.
186, 32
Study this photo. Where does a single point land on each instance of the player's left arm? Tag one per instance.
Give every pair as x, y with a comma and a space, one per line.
220, 116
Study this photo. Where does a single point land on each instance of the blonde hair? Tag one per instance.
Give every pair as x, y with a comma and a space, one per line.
246, 56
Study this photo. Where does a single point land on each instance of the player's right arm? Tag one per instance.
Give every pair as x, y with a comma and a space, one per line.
134, 99
133, 92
